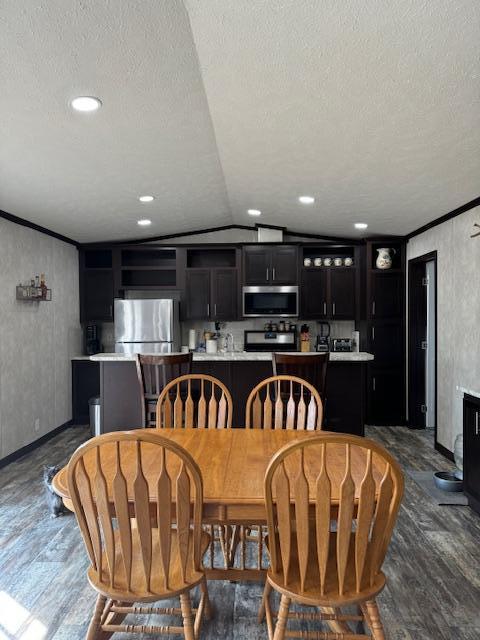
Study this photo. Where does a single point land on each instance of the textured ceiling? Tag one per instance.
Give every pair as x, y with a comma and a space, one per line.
216, 106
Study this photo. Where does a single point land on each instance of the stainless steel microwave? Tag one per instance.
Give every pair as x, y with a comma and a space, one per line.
263, 301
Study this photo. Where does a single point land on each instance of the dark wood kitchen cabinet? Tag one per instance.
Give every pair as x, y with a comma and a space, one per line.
314, 293
387, 294
211, 294
96, 285
342, 293
471, 450
270, 264
385, 334
328, 293
197, 294
85, 385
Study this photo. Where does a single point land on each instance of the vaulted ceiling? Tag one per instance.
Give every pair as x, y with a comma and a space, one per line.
218, 106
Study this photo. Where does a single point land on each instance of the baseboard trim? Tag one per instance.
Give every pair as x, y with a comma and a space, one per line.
444, 451
33, 445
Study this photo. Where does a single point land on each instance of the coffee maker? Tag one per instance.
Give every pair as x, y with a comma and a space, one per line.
323, 337
92, 339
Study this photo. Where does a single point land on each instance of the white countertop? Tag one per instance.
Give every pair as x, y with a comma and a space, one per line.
240, 356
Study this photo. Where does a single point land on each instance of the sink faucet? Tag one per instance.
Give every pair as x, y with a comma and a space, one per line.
229, 337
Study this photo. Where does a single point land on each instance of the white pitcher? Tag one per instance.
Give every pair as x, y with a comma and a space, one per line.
384, 259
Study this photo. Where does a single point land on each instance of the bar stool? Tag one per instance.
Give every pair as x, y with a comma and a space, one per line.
154, 373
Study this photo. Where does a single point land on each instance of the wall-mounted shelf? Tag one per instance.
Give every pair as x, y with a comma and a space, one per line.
33, 294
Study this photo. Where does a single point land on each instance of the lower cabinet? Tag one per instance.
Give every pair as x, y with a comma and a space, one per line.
85, 385
386, 393
345, 401
345, 407
471, 450
121, 402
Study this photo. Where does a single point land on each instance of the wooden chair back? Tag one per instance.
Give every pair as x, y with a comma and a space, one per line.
102, 507
154, 373
284, 402
311, 367
338, 542
195, 401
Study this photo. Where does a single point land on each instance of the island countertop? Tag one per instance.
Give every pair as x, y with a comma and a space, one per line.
232, 356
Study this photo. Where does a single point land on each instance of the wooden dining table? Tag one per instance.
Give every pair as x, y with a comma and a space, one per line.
233, 464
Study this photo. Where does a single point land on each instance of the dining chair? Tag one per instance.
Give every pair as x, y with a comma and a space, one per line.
200, 401
284, 402
154, 372
328, 534
145, 541
195, 400
311, 367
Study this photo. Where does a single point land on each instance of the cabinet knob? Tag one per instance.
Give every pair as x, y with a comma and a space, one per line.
273, 273
476, 423
373, 308
267, 274
215, 309
324, 308
333, 308
208, 309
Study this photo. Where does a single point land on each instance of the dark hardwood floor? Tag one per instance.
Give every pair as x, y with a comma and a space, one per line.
433, 567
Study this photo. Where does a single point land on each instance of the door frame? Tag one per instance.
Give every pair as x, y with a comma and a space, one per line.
427, 257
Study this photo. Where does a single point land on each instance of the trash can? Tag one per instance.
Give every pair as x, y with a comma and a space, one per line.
94, 412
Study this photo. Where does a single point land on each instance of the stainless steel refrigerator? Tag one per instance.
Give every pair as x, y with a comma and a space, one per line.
147, 326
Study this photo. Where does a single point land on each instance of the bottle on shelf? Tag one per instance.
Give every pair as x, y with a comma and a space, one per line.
305, 338
43, 287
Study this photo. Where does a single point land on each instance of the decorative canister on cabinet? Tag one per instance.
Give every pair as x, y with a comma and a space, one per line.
384, 258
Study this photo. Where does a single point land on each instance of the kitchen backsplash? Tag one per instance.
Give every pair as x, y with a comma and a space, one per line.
340, 329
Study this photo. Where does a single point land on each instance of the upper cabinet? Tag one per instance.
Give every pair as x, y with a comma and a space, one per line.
211, 284
270, 264
329, 283
96, 285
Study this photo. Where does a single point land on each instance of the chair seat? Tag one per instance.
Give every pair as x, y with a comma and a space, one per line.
312, 594
138, 588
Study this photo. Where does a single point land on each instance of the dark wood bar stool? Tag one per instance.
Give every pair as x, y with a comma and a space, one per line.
311, 367
154, 373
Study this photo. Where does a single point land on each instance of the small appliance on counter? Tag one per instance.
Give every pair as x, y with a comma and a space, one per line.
270, 340
323, 337
92, 339
342, 344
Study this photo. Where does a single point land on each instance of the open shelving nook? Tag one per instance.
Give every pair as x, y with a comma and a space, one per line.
148, 268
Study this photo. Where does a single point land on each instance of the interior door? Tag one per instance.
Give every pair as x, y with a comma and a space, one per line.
417, 293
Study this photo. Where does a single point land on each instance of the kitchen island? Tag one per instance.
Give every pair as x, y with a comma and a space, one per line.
346, 391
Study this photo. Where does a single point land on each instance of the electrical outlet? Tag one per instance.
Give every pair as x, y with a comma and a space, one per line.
36, 424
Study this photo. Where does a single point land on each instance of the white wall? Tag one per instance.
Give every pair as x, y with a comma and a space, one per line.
37, 339
458, 315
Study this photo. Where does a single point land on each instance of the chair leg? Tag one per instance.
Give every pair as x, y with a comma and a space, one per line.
187, 615
208, 604
265, 597
373, 619
94, 628
281, 625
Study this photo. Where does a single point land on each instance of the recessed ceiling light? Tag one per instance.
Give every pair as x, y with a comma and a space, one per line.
144, 223
361, 225
86, 103
306, 199
146, 198
254, 212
